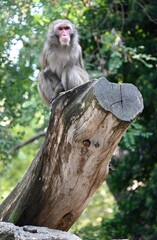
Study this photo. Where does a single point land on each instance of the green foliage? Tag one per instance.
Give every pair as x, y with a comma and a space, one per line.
129, 139
119, 41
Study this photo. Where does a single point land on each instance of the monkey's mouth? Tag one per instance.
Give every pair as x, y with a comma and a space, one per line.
65, 41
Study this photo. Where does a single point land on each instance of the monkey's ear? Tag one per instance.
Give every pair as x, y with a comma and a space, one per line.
51, 26
51, 31
80, 60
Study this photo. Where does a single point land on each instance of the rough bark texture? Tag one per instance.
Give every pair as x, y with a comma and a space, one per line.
85, 127
9, 231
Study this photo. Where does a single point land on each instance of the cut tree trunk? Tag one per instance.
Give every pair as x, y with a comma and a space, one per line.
86, 125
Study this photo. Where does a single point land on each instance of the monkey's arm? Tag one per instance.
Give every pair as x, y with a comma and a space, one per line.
43, 60
80, 59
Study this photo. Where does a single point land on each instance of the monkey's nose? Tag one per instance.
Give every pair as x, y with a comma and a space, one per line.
64, 33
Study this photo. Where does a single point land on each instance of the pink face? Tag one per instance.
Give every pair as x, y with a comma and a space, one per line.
64, 33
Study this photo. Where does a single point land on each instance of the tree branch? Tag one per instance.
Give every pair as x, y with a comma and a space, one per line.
30, 140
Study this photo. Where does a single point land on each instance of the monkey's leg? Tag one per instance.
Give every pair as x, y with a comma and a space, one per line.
49, 86
74, 76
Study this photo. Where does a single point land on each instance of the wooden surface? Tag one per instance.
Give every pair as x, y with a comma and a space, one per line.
85, 127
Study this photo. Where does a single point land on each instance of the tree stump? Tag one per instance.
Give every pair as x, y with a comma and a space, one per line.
85, 126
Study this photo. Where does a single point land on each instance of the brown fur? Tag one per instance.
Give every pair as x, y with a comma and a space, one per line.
62, 66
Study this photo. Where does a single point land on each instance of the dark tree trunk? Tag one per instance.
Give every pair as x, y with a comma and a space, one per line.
85, 127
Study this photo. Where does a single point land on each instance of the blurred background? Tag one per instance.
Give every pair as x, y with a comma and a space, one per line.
119, 41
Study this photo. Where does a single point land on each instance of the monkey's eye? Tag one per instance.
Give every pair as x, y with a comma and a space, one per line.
60, 28
67, 28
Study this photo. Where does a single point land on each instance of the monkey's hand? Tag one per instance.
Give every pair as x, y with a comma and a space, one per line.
52, 100
61, 93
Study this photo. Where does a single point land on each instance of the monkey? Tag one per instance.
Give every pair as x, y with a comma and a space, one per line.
62, 66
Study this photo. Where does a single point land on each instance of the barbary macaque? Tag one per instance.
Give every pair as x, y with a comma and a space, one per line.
61, 61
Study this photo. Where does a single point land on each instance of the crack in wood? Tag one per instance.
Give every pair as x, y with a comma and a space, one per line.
121, 98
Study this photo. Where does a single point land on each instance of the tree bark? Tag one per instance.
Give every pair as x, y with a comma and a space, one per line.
86, 125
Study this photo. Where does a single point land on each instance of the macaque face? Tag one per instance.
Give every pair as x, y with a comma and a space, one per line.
64, 33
